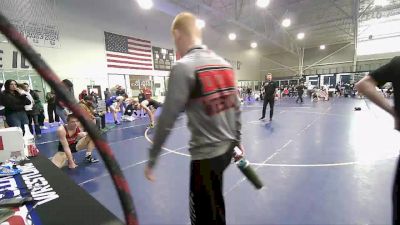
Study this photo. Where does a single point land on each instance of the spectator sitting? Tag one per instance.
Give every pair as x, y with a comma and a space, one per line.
88, 105
82, 94
285, 92
95, 97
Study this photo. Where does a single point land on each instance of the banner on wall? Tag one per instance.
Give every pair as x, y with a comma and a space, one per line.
163, 58
41, 35
36, 20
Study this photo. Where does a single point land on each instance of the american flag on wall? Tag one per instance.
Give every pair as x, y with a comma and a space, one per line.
127, 52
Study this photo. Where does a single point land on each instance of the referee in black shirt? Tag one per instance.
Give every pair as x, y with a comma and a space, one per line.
269, 92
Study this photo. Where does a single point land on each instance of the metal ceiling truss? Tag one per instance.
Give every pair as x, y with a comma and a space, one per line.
274, 34
333, 2
323, 24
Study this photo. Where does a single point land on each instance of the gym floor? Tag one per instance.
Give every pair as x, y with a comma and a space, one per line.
321, 163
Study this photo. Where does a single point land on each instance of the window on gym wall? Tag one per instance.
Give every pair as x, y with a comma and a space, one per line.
345, 79
26, 76
254, 85
159, 88
294, 82
36, 83
257, 86
117, 79
284, 82
133, 83
312, 81
329, 80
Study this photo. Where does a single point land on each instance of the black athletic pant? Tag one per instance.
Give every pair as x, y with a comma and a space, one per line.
41, 119
395, 196
51, 111
271, 101
103, 121
300, 97
206, 198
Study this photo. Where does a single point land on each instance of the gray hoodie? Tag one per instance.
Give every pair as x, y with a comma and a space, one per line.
204, 84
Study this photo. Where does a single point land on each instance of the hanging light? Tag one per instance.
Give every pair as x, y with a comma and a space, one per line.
286, 22
253, 44
145, 4
200, 23
300, 36
262, 3
232, 36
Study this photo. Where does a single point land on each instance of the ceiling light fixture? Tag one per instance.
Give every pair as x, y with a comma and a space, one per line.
262, 3
300, 36
200, 23
232, 36
145, 4
286, 22
253, 44
322, 47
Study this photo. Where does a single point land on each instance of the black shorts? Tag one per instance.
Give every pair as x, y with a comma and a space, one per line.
129, 110
154, 103
71, 146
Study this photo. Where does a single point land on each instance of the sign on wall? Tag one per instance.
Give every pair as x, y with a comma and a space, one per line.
35, 19
163, 58
137, 81
42, 35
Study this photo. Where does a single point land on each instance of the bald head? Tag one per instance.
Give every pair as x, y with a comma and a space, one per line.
186, 23
185, 31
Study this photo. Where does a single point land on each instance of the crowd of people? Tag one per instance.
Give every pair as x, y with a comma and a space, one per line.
315, 93
213, 115
20, 106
